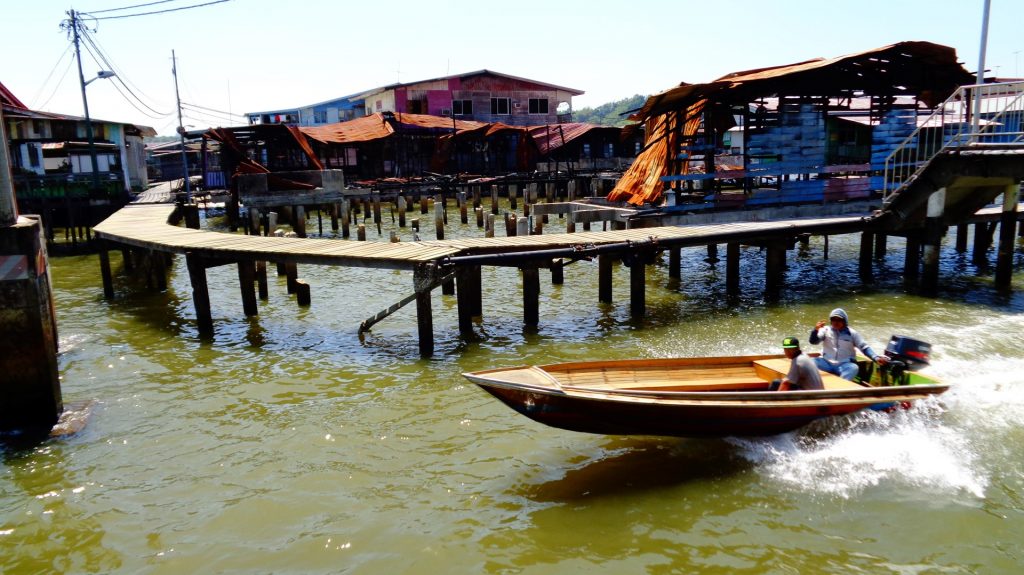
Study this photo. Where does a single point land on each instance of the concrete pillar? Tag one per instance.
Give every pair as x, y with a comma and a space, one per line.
932, 240
1007, 237
30, 395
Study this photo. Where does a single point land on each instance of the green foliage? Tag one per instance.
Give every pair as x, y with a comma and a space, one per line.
610, 114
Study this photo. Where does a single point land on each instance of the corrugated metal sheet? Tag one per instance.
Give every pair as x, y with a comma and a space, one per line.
380, 125
553, 136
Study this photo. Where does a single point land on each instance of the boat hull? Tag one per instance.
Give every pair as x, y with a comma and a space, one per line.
657, 399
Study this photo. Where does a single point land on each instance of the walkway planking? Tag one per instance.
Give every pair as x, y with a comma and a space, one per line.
147, 226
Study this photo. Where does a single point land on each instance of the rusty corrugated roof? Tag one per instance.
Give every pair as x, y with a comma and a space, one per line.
930, 71
381, 125
553, 136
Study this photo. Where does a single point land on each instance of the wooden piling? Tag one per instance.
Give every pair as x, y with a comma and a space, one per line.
247, 285
531, 297
675, 262
513, 189
494, 199
557, 271
200, 294
732, 268
401, 211
346, 218
775, 267
108, 278
864, 268
1007, 237
961, 237
291, 275
637, 287
261, 280
463, 209
912, 260
604, 278
439, 217
880, 246
361, 233
299, 224
302, 294
423, 278
489, 228
464, 302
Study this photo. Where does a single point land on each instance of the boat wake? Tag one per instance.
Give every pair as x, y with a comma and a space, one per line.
948, 442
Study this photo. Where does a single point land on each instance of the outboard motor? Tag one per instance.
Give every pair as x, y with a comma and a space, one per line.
905, 354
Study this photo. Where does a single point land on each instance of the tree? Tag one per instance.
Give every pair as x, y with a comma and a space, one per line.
610, 114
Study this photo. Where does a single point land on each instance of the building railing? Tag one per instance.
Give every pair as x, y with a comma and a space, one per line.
974, 117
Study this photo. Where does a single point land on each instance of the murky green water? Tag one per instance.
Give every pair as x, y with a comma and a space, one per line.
289, 444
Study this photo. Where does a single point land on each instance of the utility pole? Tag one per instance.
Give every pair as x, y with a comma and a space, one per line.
75, 23
975, 121
181, 130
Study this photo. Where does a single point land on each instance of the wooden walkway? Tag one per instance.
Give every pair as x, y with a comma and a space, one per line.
148, 226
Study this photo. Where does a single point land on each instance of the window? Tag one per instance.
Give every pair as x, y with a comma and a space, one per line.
499, 106
33, 155
462, 107
538, 105
320, 117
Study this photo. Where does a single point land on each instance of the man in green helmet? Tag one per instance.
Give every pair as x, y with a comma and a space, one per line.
803, 372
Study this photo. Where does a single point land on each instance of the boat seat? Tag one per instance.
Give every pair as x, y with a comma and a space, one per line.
779, 367
706, 384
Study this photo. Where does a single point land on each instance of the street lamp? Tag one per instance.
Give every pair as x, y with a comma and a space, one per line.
88, 121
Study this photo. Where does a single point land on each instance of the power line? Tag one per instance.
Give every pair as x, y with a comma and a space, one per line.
126, 98
121, 76
130, 7
90, 46
38, 93
212, 110
161, 11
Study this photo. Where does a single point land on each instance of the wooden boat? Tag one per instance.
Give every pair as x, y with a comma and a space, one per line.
688, 397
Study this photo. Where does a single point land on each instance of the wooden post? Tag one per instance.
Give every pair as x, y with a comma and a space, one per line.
880, 246
423, 280
291, 275
464, 303
912, 260
476, 293
523, 226
979, 254
463, 210
299, 216
423, 204
479, 214
675, 262
961, 238
108, 279
261, 280
824, 248
775, 267
864, 260
732, 268
1007, 237
200, 294
637, 287
712, 254
604, 278
246, 283
346, 217
271, 223
361, 232
401, 211
376, 214
439, 217
302, 295
513, 189
531, 297
253, 229
557, 271
494, 198
538, 225
489, 228
335, 211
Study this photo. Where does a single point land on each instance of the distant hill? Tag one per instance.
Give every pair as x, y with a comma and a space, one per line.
610, 114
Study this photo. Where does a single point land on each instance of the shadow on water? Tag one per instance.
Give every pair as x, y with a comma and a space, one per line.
642, 465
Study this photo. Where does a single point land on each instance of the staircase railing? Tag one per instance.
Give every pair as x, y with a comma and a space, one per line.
974, 117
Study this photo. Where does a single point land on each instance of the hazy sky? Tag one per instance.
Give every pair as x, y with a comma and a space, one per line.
252, 55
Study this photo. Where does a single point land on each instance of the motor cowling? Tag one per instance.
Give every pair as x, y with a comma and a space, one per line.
914, 354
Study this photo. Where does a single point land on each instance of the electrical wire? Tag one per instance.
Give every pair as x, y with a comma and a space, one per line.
159, 115
212, 110
130, 7
161, 11
90, 45
121, 77
38, 93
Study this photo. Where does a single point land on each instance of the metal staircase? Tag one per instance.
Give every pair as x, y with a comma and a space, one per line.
985, 117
